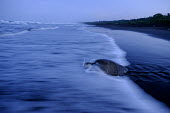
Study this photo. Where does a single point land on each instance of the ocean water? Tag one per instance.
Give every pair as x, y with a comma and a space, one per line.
9, 28
42, 71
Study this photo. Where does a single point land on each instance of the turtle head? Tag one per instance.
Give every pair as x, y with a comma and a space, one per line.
88, 64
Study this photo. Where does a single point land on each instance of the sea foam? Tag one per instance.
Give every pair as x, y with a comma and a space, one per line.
119, 55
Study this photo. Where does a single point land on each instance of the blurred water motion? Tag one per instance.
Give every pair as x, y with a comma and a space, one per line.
41, 71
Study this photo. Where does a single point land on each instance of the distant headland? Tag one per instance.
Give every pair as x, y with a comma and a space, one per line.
157, 20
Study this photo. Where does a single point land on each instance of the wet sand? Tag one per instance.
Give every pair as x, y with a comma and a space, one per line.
158, 32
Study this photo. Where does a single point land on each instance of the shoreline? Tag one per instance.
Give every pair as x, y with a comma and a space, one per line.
157, 32
148, 57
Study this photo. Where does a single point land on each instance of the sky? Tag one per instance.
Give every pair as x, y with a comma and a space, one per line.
71, 11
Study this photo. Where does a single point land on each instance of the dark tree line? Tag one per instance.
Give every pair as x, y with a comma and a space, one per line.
157, 20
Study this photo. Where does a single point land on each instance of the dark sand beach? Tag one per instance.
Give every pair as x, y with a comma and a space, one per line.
159, 32
149, 56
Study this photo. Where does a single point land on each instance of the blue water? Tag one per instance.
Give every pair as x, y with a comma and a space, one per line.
8, 28
42, 71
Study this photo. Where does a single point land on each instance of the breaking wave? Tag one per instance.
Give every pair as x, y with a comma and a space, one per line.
11, 28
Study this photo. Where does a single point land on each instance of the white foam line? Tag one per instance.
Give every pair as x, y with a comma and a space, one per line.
18, 22
25, 31
12, 34
48, 28
119, 54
